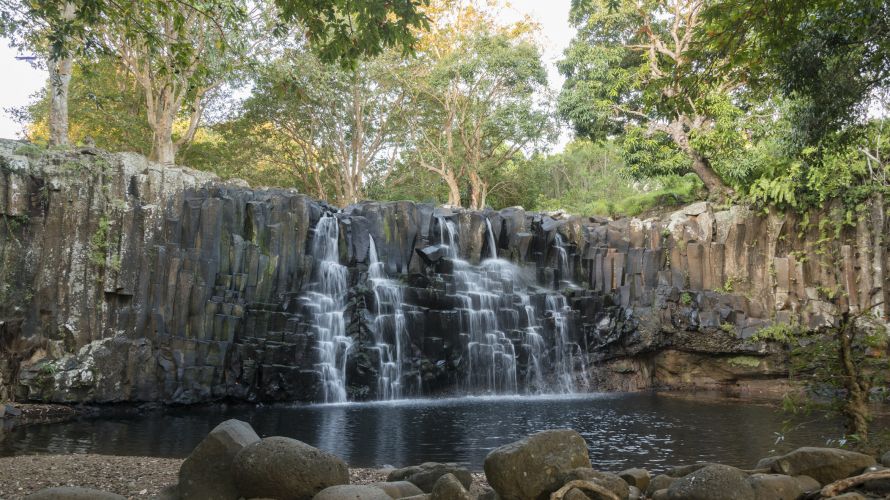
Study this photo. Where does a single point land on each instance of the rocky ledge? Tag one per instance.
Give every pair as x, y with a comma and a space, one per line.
232, 462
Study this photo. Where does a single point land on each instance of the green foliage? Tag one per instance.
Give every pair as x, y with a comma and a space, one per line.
828, 55
686, 298
99, 243
348, 31
784, 333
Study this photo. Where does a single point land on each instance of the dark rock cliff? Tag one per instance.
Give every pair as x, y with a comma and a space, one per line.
125, 281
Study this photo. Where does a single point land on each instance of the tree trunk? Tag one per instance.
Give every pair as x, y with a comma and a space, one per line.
478, 191
59, 80
701, 166
713, 183
162, 149
453, 189
855, 407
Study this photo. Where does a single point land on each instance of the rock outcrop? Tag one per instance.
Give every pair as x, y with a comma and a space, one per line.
126, 281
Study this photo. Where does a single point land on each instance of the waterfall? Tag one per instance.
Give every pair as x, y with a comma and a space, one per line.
492, 249
565, 273
325, 303
390, 334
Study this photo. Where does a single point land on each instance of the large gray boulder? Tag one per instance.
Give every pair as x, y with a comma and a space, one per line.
885, 459
781, 487
73, 493
825, 465
533, 467
712, 482
207, 472
352, 492
448, 487
425, 475
286, 469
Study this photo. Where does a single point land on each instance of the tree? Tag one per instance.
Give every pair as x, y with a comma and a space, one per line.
46, 27
332, 127
477, 95
179, 51
831, 56
635, 67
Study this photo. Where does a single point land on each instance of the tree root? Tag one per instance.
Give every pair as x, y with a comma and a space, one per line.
842, 485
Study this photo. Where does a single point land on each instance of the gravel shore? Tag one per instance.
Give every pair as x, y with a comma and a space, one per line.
133, 477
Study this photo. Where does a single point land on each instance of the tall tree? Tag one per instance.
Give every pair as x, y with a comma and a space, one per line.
634, 67
179, 51
832, 57
49, 28
480, 96
331, 127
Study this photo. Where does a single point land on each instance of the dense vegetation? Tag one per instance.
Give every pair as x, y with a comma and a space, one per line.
770, 103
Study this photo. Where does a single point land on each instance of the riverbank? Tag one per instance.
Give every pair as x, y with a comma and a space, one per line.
132, 477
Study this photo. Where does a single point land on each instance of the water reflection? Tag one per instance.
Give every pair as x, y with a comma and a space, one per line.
621, 430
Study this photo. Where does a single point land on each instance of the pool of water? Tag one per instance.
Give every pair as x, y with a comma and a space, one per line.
622, 430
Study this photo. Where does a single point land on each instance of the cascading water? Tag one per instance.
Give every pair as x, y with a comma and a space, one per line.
492, 249
325, 304
565, 273
497, 319
390, 334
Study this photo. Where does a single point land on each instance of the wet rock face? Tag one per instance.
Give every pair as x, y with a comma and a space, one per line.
128, 281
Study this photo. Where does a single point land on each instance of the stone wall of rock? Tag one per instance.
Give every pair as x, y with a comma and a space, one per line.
127, 281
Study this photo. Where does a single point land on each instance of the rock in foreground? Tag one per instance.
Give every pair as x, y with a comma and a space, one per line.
533, 467
286, 469
207, 472
822, 464
425, 475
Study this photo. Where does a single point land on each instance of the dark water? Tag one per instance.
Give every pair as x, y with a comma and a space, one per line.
622, 430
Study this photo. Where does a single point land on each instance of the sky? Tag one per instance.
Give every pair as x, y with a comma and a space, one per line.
18, 80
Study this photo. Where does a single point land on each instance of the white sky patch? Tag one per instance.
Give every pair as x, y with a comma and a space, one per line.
18, 80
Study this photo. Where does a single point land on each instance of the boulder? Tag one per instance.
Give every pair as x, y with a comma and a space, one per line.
284, 468
399, 489
885, 459
607, 480
825, 465
448, 487
877, 486
659, 482
636, 477
532, 468
660, 495
425, 475
207, 472
73, 493
634, 493
351, 492
711, 482
11, 411
781, 487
